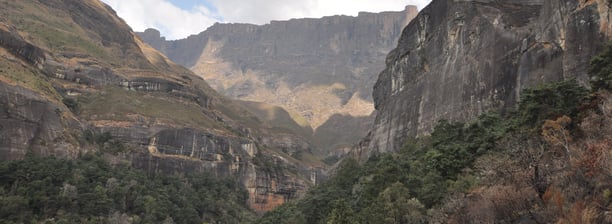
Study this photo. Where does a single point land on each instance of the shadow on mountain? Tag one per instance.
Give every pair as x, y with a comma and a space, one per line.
279, 119
341, 132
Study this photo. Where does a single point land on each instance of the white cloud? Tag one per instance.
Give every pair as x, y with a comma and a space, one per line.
171, 21
262, 11
175, 23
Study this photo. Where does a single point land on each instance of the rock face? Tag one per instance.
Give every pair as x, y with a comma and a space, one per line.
320, 68
458, 59
28, 121
72, 71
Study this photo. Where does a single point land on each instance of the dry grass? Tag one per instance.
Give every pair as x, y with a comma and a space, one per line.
576, 175
118, 104
52, 29
15, 72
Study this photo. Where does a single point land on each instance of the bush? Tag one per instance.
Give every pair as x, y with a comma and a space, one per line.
549, 101
410, 185
600, 69
72, 104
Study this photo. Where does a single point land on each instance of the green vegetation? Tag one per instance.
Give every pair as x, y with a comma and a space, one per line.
89, 190
549, 101
104, 142
397, 188
601, 69
72, 104
544, 161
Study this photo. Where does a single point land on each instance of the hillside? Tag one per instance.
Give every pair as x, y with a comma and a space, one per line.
487, 112
75, 80
547, 162
320, 69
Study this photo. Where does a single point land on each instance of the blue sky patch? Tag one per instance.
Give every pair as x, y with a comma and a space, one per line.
190, 4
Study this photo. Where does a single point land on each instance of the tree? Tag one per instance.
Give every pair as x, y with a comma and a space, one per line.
399, 207
342, 213
601, 69
555, 132
549, 101
529, 152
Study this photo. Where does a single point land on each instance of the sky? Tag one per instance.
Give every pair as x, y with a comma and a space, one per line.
177, 19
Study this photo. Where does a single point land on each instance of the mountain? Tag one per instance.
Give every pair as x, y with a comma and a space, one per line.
459, 59
487, 112
74, 80
320, 69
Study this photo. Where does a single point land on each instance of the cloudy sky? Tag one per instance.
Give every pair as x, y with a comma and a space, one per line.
178, 19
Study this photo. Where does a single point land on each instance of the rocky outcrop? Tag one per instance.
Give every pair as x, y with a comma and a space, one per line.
316, 67
32, 124
458, 59
14, 43
74, 78
187, 150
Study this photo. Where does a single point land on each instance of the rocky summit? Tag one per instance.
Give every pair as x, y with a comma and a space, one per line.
75, 79
320, 70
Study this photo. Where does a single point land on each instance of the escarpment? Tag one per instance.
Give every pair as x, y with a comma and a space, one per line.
320, 70
75, 79
458, 59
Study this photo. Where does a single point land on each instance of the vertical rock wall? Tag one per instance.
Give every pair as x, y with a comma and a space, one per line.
458, 59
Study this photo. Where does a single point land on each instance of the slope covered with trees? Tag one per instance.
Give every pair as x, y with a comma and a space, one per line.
91, 190
548, 161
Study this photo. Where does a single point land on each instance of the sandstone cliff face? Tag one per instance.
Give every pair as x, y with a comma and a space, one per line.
70, 67
316, 67
458, 59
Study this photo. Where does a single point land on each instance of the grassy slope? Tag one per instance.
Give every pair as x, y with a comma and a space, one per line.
53, 29
279, 118
117, 104
15, 72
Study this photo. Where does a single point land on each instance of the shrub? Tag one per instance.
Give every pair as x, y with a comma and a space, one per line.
72, 104
549, 101
600, 69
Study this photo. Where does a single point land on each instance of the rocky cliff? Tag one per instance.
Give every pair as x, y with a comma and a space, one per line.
458, 59
74, 78
322, 69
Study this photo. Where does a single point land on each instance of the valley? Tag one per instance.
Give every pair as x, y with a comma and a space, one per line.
473, 111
